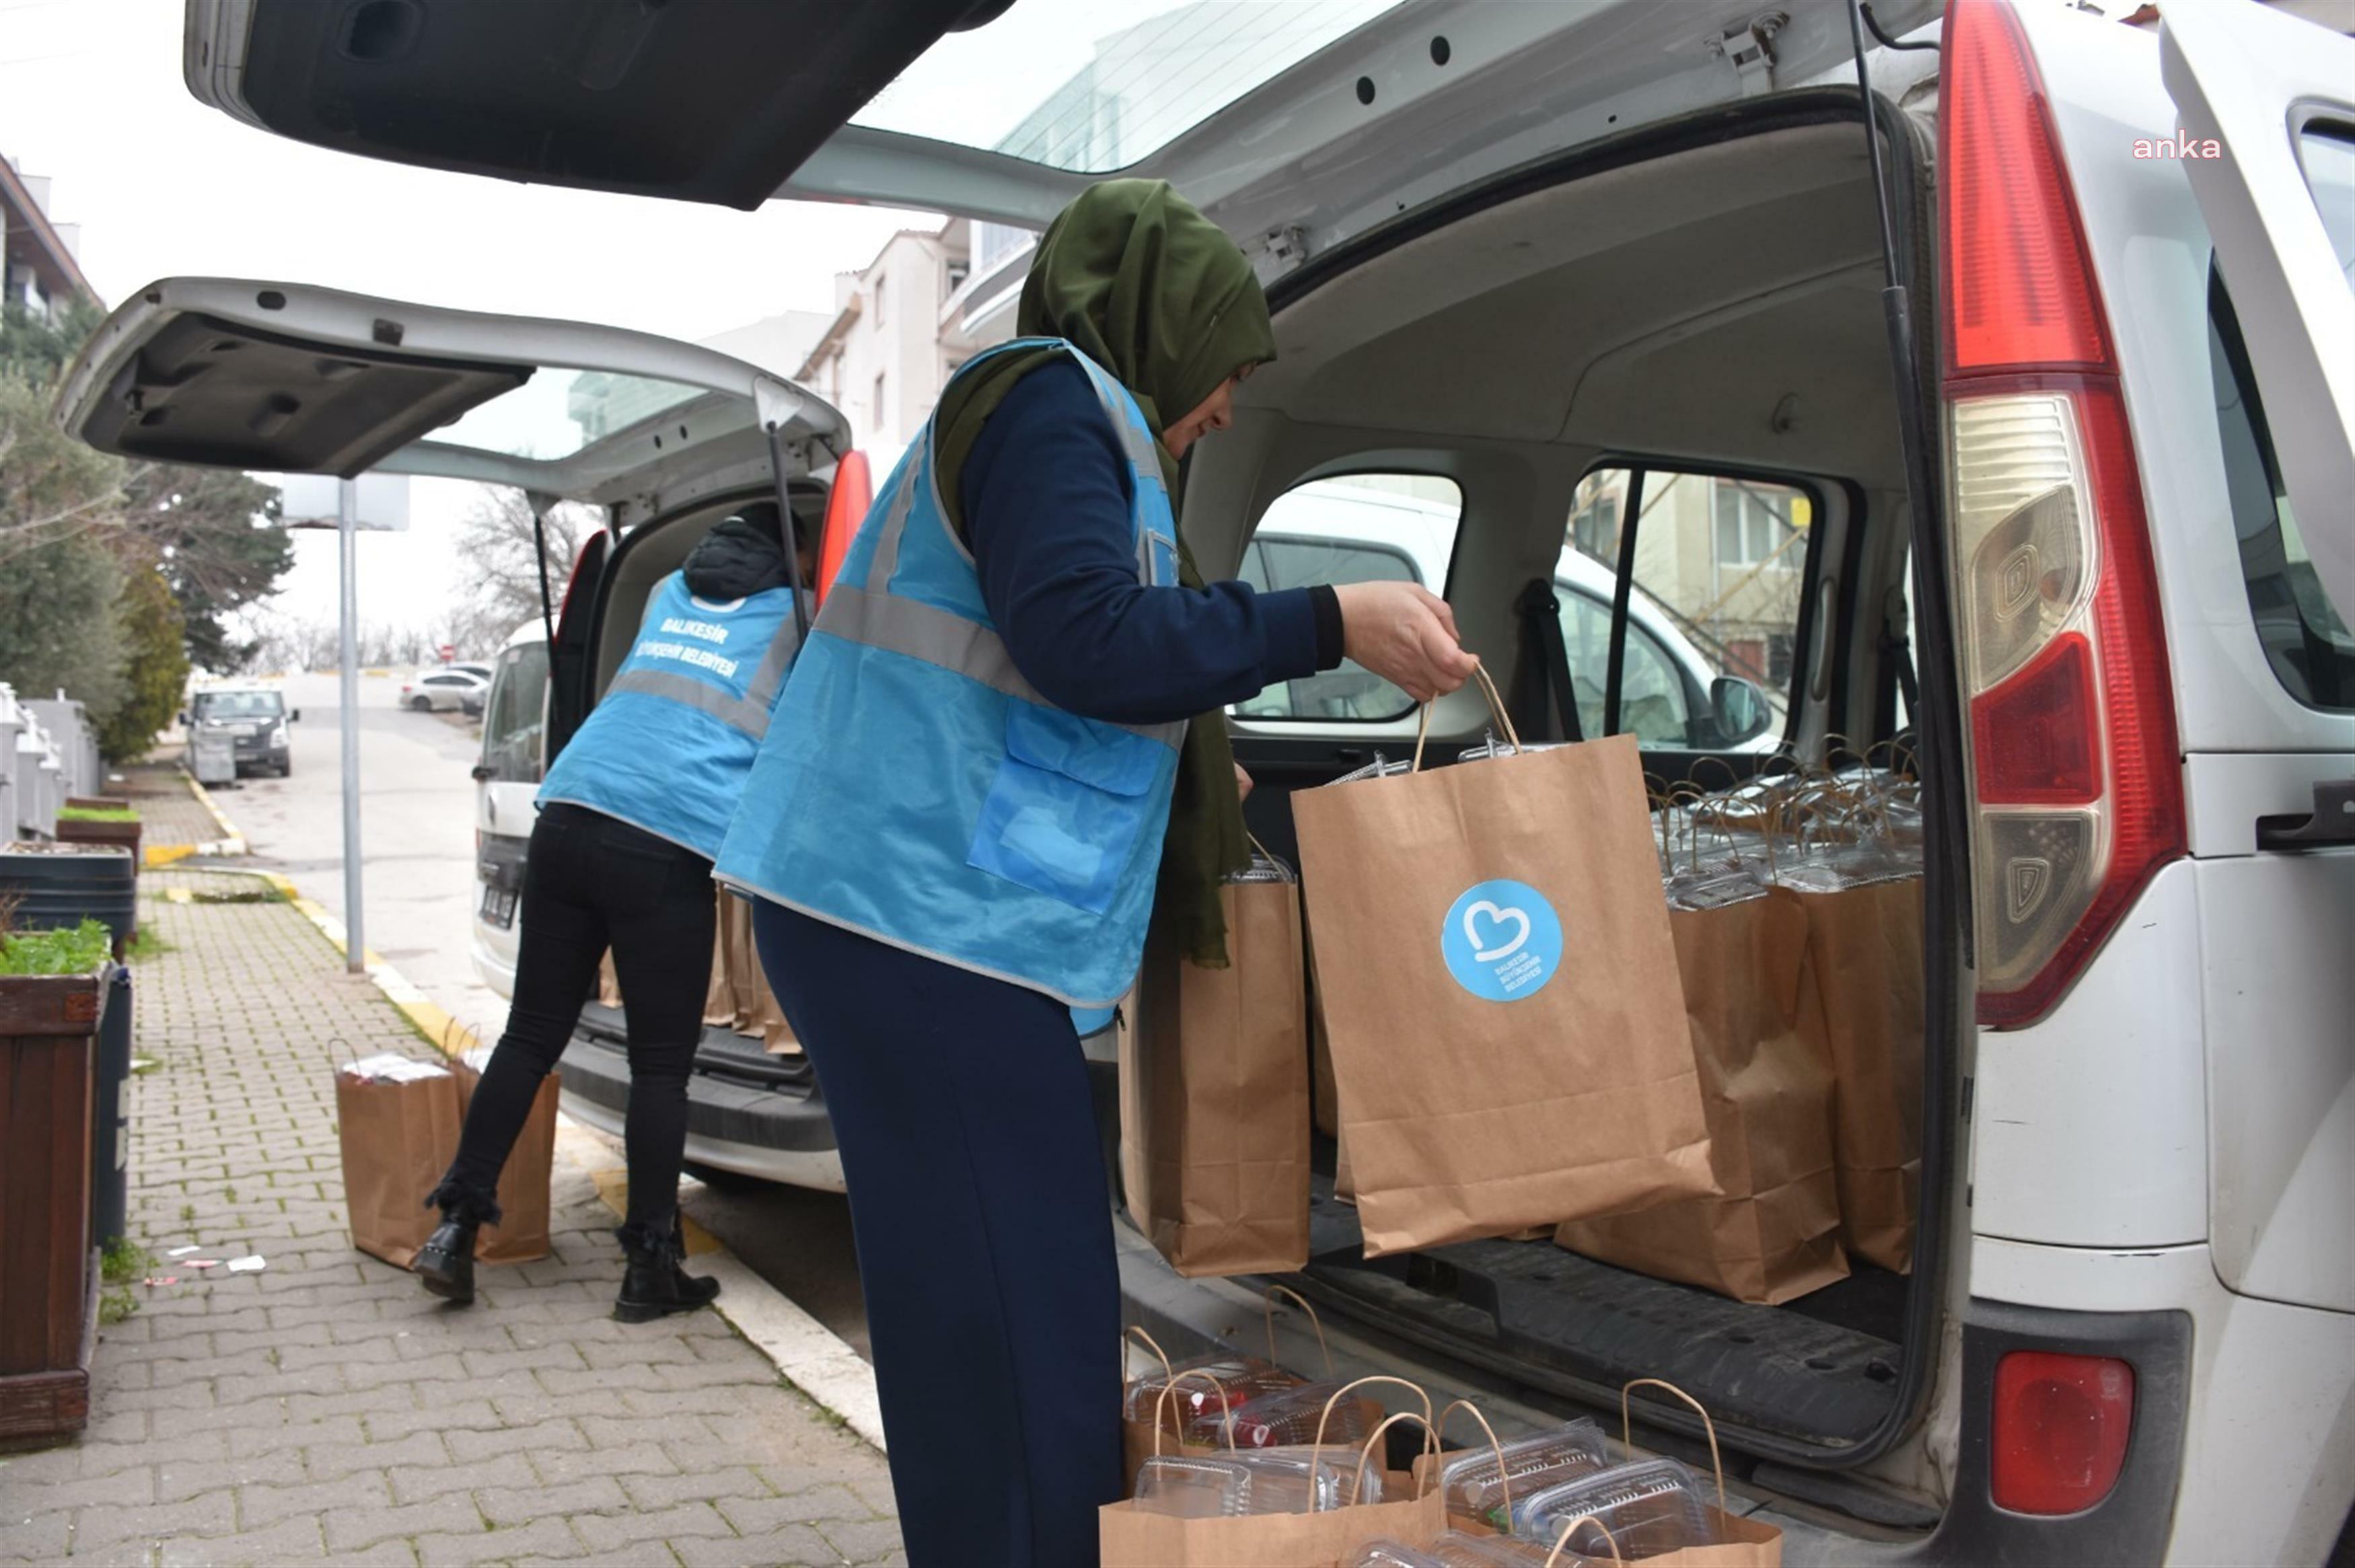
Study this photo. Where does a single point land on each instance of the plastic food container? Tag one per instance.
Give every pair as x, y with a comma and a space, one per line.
1212, 1486
1454, 1549
1288, 1417
1649, 1507
1474, 1484
1239, 1378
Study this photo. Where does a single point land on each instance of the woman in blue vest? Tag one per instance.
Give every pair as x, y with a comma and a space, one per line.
982, 785
630, 816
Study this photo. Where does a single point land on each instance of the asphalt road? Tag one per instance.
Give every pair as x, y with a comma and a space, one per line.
417, 844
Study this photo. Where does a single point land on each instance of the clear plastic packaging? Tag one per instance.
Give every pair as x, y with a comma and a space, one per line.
1454, 1549
1649, 1507
1212, 1486
1289, 1418
1478, 1482
392, 1067
1196, 1401
1380, 768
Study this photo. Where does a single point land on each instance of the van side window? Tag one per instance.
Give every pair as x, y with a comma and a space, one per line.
1372, 527
1718, 569
2304, 636
519, 705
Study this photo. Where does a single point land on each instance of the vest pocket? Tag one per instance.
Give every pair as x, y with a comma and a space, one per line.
1064, 810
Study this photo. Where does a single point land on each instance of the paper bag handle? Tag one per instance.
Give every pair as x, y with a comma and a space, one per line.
1161, 1408
1366, 1455
1317, 1450
1136, 1331
1627, 1427
1495, 709
1504, 1482
1562, 1542
1267, 1299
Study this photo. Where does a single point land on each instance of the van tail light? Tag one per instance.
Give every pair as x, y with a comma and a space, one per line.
2059, 1431
846, 509
2077, 781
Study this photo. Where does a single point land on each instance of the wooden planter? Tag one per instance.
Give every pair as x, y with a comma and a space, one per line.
48, 1270
76, 831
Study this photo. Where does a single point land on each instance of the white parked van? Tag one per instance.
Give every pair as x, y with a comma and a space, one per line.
2051, 334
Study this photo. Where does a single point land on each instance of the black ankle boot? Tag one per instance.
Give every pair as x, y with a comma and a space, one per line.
652, 1283
446, 1261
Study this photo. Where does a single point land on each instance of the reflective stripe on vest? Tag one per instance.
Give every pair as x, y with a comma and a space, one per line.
749, 712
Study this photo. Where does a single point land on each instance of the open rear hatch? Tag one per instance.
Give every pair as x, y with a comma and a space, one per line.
236, 373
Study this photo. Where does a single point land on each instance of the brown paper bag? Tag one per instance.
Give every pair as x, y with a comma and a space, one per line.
397, 1139
1501, 989
721, 1009
1866, 946
1130, 1538
1766, 1088
1220, 1111
609, 983
521, 1234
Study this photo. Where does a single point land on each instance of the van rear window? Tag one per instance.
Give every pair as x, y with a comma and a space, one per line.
2304, 636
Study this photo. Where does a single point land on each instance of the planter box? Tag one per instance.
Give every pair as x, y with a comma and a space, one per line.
121, 835
48, 1271
56, 884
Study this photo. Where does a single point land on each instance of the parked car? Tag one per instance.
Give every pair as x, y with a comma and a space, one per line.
435, 691
480, 670
418, 389
255, 717
2059, 371
1335, 530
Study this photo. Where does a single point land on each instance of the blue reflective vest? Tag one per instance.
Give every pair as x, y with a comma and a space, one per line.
669, 748
917, 789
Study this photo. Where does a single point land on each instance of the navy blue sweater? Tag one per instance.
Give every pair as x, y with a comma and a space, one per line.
1045, 495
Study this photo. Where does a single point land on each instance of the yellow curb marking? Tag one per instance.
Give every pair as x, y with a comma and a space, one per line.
155, 855
178, 896
613, 1192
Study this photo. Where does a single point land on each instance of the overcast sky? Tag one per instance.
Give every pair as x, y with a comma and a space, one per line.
90, 96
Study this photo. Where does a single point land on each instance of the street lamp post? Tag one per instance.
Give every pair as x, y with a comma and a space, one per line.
348, 508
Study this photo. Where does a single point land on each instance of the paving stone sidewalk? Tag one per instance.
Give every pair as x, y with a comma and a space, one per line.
326, 1410
169, 812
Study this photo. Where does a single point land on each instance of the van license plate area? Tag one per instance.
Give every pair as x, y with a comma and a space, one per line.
498, 907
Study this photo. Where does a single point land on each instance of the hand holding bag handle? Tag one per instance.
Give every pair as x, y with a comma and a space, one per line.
1495, 709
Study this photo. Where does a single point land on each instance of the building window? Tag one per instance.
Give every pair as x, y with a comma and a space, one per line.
1594, 528
882, 286
1753, 524
881, 417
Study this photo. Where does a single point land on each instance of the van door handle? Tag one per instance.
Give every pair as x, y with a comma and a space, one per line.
484, 772
2333, 822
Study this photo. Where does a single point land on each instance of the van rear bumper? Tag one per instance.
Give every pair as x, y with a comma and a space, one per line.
776, 1134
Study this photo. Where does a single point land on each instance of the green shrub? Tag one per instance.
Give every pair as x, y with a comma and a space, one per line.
96, 814
74, 952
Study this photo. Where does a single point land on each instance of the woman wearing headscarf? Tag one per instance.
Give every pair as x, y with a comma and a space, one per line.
982, 785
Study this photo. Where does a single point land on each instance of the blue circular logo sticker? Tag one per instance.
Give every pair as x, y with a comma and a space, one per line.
1502, 942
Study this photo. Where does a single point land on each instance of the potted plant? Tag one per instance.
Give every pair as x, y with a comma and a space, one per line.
52, 994
90, 823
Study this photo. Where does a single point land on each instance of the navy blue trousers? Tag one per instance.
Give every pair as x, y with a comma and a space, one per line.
961, 1106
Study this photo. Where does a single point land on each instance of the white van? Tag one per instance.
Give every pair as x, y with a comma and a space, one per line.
2052, 332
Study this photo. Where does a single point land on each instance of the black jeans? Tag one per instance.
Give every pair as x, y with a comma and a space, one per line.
590, 882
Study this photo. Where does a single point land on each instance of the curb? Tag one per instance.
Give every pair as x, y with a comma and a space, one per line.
805, 1352
229, 845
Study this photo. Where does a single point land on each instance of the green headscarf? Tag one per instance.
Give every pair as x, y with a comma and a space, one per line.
1155, 293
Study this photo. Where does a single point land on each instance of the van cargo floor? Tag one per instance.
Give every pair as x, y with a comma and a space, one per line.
1819, 1369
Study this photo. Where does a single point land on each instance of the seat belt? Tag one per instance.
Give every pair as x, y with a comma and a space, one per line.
1547, 655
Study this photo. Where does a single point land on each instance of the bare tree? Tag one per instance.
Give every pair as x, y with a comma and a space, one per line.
500, 546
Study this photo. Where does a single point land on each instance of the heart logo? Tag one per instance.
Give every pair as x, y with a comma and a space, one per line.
1501, 917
